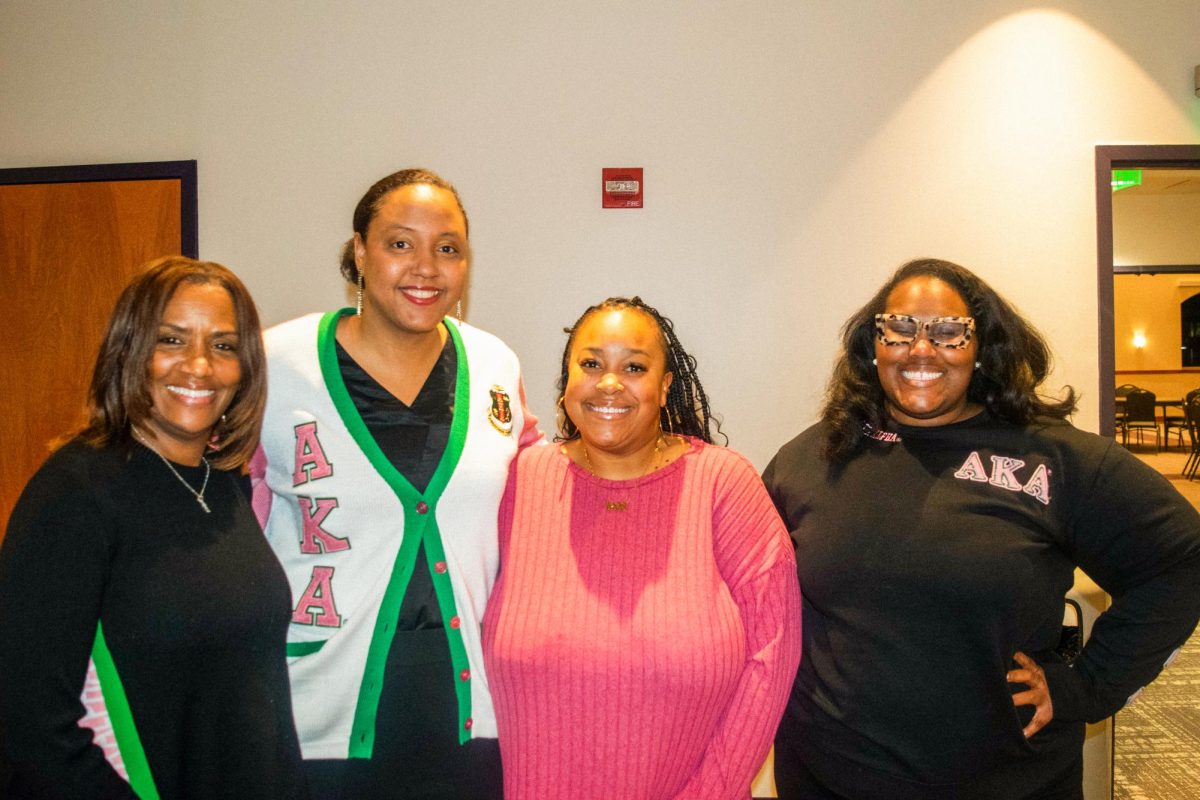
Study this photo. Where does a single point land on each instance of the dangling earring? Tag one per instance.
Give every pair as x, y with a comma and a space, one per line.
560, 418
358, 305
214, 440
458, 310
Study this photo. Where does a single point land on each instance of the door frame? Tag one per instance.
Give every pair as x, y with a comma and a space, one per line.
1108, 158
183, 171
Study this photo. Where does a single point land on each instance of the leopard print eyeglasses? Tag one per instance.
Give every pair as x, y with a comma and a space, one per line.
898, 329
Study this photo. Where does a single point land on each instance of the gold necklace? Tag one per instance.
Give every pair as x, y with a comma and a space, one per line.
207, 471
654, 466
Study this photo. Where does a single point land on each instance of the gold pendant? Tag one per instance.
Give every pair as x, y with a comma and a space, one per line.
615, 505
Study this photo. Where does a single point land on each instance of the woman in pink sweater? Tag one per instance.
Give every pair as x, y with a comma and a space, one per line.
645, 629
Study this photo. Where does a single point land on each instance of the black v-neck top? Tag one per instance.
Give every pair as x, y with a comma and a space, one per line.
412, 439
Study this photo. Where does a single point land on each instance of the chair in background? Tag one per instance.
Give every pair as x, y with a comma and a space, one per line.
1191, 412
1119, 395
1140, 416
1178, 422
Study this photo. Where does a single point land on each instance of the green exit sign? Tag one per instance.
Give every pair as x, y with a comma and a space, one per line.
1124, 178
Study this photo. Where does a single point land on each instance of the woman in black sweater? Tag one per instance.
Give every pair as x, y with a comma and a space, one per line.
143, 621
939, 509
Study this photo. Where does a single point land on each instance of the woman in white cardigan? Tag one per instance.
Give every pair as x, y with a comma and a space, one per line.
388, 435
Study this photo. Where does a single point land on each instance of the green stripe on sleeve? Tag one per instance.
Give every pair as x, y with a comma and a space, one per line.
121, 717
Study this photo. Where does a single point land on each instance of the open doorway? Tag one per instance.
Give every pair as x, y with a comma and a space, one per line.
1148, 278
1157, 191
1156, 295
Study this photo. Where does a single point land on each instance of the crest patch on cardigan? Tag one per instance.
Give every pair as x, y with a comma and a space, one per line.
500, 412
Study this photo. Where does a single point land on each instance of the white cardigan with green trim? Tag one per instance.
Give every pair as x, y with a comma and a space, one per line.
347, 567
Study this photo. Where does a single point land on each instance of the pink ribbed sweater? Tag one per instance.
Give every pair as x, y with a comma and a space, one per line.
642, 653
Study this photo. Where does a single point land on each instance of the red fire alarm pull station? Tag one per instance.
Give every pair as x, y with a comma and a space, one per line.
622, 187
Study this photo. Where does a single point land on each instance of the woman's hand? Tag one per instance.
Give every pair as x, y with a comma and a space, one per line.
1037, 695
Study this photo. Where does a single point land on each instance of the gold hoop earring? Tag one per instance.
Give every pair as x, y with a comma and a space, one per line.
358, 305
561, 418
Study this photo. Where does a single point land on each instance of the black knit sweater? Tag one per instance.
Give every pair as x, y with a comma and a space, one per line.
194, 609
927, 562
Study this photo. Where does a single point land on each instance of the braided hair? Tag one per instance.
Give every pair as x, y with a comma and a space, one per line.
686, 411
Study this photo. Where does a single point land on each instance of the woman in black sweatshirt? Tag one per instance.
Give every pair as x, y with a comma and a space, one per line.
939, 509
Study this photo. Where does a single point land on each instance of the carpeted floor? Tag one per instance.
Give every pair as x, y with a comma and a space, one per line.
1157, 738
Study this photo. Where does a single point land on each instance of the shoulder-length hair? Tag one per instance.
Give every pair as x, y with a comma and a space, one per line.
119, 396
1013, 358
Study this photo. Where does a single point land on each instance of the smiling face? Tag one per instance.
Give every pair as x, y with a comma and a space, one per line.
414, 259
194, 372
617, 382
923, 383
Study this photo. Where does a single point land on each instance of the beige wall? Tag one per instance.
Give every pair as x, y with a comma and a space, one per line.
796, 151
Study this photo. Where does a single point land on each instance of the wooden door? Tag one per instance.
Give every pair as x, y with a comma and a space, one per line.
70, 238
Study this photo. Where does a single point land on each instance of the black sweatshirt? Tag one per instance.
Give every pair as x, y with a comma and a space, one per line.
194, 609
927, 562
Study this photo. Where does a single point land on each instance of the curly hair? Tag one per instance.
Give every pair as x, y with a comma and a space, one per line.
1014, 361
369, 203
686, 411
119, 396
